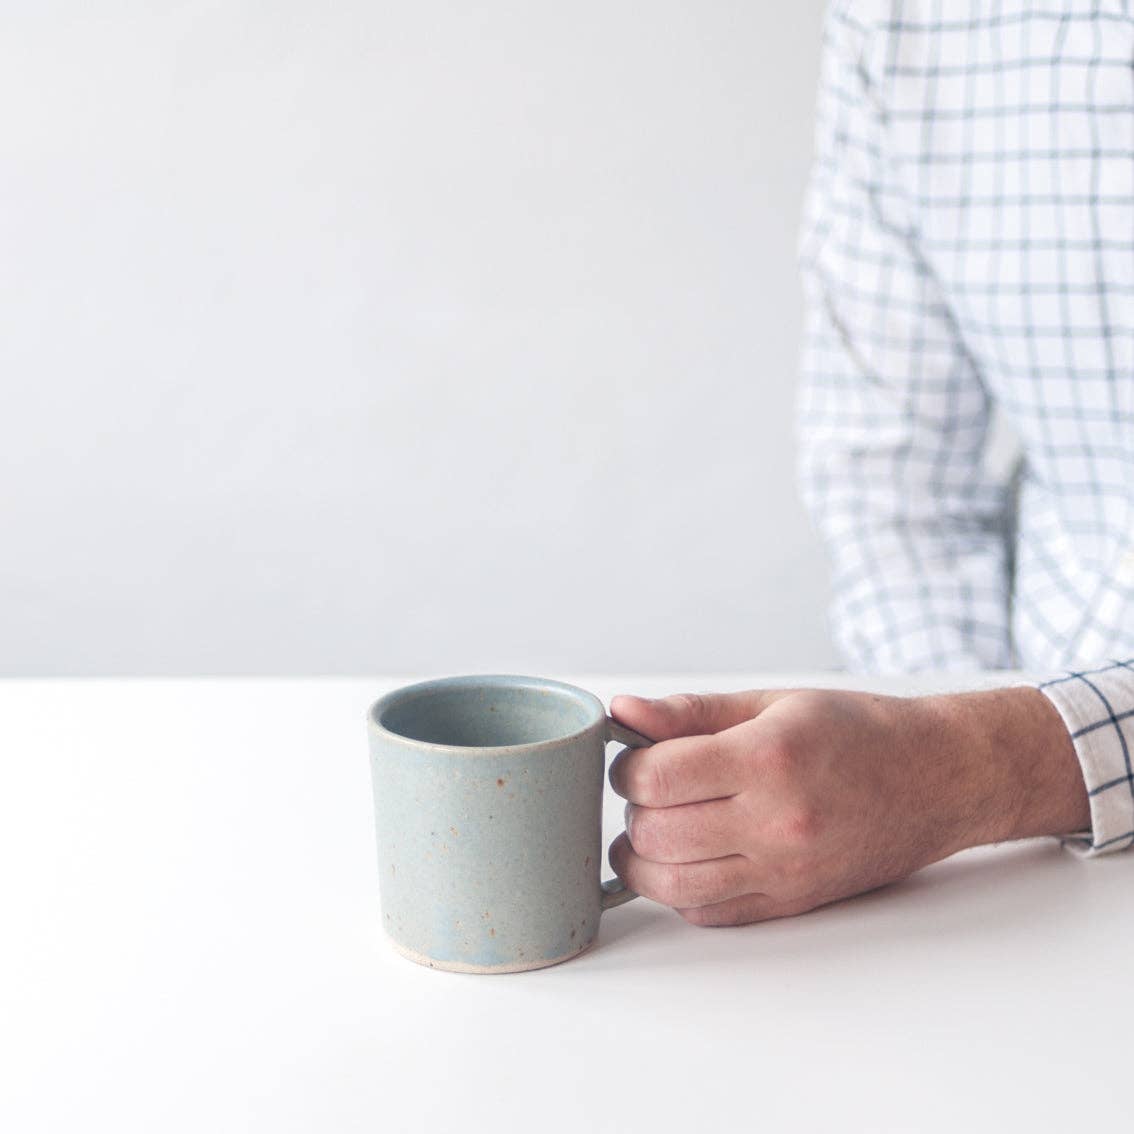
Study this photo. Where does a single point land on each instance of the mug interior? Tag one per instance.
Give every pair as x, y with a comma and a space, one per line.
485, 714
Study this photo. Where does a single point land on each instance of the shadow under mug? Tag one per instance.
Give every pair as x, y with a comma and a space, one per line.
488, 809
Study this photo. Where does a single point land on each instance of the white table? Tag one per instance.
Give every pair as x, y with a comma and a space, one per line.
190, 941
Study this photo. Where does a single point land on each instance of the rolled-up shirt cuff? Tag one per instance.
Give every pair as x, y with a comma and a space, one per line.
1097, 706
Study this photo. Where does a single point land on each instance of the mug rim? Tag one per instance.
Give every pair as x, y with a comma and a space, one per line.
476, 680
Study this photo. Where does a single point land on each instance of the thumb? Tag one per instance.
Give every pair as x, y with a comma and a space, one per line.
691, 714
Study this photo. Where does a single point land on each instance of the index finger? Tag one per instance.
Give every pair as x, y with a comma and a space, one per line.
687, 769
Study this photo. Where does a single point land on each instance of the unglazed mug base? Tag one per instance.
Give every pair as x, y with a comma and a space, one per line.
464, 967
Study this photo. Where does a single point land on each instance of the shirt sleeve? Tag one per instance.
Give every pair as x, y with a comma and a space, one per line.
892, 413
1097, 706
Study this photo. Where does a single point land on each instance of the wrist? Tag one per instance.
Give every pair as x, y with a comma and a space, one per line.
1018, 775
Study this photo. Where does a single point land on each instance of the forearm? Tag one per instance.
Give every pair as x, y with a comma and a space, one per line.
1017, 774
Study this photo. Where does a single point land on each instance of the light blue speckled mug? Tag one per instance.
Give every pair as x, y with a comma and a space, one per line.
488, 804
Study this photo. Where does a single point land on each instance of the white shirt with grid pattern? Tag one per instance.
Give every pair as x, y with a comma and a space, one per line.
968, 246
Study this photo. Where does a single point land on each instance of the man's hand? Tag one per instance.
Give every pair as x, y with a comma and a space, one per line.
769, 803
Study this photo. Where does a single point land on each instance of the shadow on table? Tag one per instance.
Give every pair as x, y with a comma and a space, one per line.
1021, 890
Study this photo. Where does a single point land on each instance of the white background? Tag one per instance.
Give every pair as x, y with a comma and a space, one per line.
390, 337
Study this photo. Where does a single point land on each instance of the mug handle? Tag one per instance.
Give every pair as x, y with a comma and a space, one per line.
614, 892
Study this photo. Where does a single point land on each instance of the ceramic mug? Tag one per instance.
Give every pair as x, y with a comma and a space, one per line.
488, 808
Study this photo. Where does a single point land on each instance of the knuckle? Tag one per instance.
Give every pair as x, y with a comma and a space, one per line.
777, 755
800, 826
640, 777
630, 779
672, 886
647, 832
658, 784
691, 705
690, 701
639, 828
700, 886
710, 749
648, 782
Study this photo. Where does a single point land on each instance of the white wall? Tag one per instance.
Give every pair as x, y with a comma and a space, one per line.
372, 336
